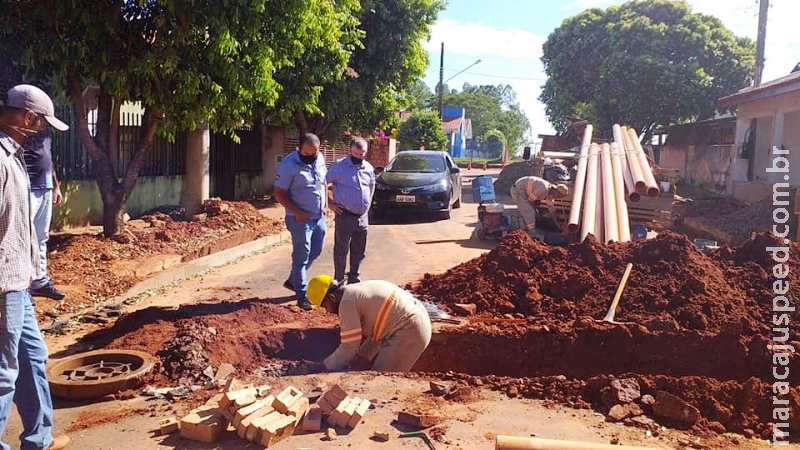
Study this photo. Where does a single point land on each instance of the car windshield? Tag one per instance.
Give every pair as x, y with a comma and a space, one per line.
417, 163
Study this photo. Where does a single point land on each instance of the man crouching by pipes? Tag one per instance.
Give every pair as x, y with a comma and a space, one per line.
383, 327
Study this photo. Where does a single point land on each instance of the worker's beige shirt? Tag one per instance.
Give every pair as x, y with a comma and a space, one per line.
537, 189
358, 312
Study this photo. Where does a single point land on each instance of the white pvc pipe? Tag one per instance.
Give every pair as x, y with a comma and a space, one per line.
599, 217
633, 162
619, 193
590, 197
530, 443
627, 177
610, 221
647, 172
580, 181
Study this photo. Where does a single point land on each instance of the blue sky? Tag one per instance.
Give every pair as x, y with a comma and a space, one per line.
507, 36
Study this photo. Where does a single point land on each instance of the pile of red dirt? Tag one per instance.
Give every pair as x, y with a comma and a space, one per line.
87, 266
249, 334
744, 408
673, 285
697, 326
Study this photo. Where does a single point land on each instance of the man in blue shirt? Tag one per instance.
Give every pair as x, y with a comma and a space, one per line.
300, 188
45, 193
353, 181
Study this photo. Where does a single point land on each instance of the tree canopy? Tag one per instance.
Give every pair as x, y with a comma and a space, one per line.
492, 107
646, 63
422, 130
389, 60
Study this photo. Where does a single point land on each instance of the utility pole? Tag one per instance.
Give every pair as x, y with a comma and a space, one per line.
441, 82
760, 43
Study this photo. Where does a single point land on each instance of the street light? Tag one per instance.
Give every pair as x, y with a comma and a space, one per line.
442, 81
468, 67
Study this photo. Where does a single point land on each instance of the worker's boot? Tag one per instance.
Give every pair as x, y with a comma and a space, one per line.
59, 442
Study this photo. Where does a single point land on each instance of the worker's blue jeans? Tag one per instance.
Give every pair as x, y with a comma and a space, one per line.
23, 380
307, 241
42, 212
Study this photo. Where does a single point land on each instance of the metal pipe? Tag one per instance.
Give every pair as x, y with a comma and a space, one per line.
623, 220
610, 221
590, 201
530, 443
580, 181
599, 217
633, 162
647, 171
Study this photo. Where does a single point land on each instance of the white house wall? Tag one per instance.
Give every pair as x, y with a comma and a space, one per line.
778, 125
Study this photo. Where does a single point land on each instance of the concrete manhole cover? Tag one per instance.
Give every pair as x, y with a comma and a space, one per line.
98, 373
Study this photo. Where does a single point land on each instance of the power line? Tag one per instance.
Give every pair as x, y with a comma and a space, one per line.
501, 76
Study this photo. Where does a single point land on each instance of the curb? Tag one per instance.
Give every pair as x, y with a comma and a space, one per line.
203, 264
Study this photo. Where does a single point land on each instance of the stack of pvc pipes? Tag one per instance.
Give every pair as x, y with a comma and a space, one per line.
608, 174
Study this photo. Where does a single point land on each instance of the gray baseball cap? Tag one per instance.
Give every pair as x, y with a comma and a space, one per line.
31, 98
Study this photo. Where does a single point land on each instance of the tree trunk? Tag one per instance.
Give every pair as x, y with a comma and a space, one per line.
113, 191
272, 143
112, 214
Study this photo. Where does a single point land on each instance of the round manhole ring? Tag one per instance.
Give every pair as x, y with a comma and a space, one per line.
98, 373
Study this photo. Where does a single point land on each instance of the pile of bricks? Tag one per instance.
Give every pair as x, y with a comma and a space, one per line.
338, 409
251, 412
264, 419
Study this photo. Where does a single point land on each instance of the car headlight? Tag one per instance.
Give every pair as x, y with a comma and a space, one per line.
441, 186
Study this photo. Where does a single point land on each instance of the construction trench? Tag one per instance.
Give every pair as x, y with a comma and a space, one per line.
691, 324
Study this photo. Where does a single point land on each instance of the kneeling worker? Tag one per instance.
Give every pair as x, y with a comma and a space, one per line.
530, 192
383, 327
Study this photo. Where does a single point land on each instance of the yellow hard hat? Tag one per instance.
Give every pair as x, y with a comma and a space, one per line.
318, 288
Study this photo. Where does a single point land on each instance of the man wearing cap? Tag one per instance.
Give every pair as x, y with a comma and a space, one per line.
45, 193
23, 354
353, 181
383, 327
530, 192
300, 188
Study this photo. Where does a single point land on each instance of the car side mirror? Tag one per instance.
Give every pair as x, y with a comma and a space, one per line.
455, 170
378, 170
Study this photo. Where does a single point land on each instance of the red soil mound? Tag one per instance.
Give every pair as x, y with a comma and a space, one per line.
672, 284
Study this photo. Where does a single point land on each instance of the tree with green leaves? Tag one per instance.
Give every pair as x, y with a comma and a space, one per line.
491, 107
419, 96
495, 142
189, 62
387, 63
645, 63
422, 130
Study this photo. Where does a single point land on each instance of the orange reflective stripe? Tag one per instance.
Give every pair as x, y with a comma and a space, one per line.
380, 322
348, 333
353, 338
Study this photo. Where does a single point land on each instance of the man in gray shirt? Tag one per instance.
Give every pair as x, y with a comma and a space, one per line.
23, 354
